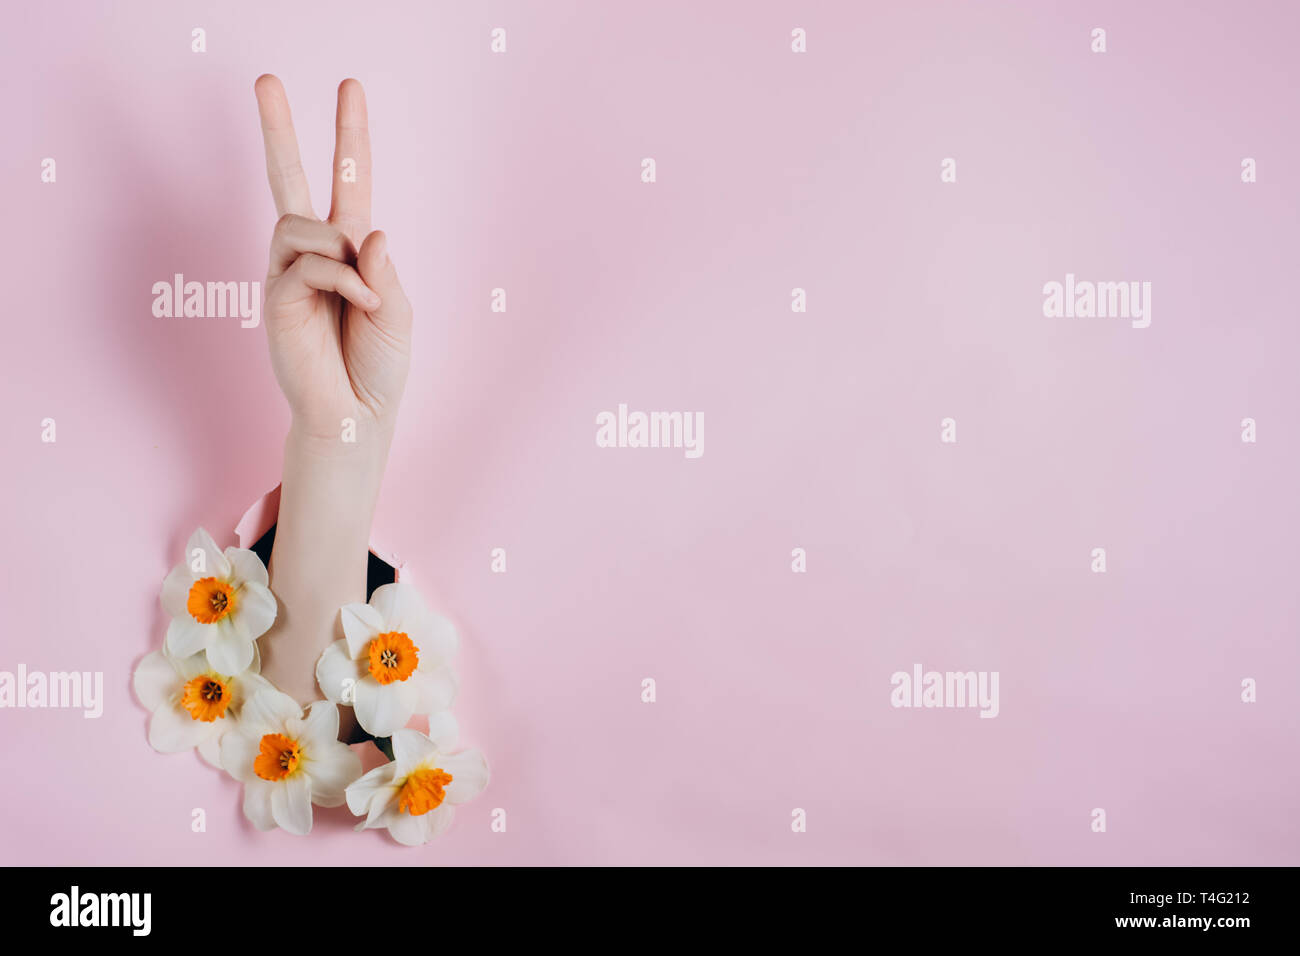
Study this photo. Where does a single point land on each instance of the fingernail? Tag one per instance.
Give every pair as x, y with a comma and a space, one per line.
372, 299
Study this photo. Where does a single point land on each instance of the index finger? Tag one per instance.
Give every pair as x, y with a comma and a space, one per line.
283, 164
350, 203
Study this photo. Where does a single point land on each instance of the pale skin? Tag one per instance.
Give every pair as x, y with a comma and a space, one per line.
339, 329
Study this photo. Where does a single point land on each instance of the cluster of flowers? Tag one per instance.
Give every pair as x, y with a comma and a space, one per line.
205, 692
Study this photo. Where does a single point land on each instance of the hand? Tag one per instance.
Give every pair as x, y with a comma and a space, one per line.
337, 320
339, 328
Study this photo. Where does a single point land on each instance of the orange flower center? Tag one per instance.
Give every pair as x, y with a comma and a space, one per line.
423, 791
393, 657
210, 600
206, 698
277, 757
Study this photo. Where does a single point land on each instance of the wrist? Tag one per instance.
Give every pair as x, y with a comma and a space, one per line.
362, 438
328, 493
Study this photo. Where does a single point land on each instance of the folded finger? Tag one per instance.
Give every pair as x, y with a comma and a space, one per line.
315, 272
295, 235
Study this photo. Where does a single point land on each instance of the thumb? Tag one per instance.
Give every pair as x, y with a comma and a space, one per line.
376, 268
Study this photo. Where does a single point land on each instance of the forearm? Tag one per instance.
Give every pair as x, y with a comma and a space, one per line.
319, 560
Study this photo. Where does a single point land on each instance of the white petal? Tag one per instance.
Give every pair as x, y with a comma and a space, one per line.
408, 830
416, 831
255, 609
214, 563
176, 590
257, 802
238, 752
190, 667
363, 791
210, 750
435, 689
443, 730
441, 820
320, 726
380, 709
267, 711
230, 651
293, 728
246, 566
361, 623
291, 803
155, 680
437, 640
469, 775
411, 750
335, 669
332, 773
186, 636
383, 811
172, 729
383, 808
245, 685
400, 606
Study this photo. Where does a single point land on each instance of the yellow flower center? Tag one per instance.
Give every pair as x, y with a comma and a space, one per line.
210, 600
392, 657
277, 757
206, 697
423, 791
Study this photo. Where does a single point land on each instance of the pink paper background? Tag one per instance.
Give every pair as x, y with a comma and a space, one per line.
775, 170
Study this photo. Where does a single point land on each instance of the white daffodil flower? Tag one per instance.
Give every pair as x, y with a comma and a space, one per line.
219, 603
288, 760
416, 793
394, 662
191, 703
